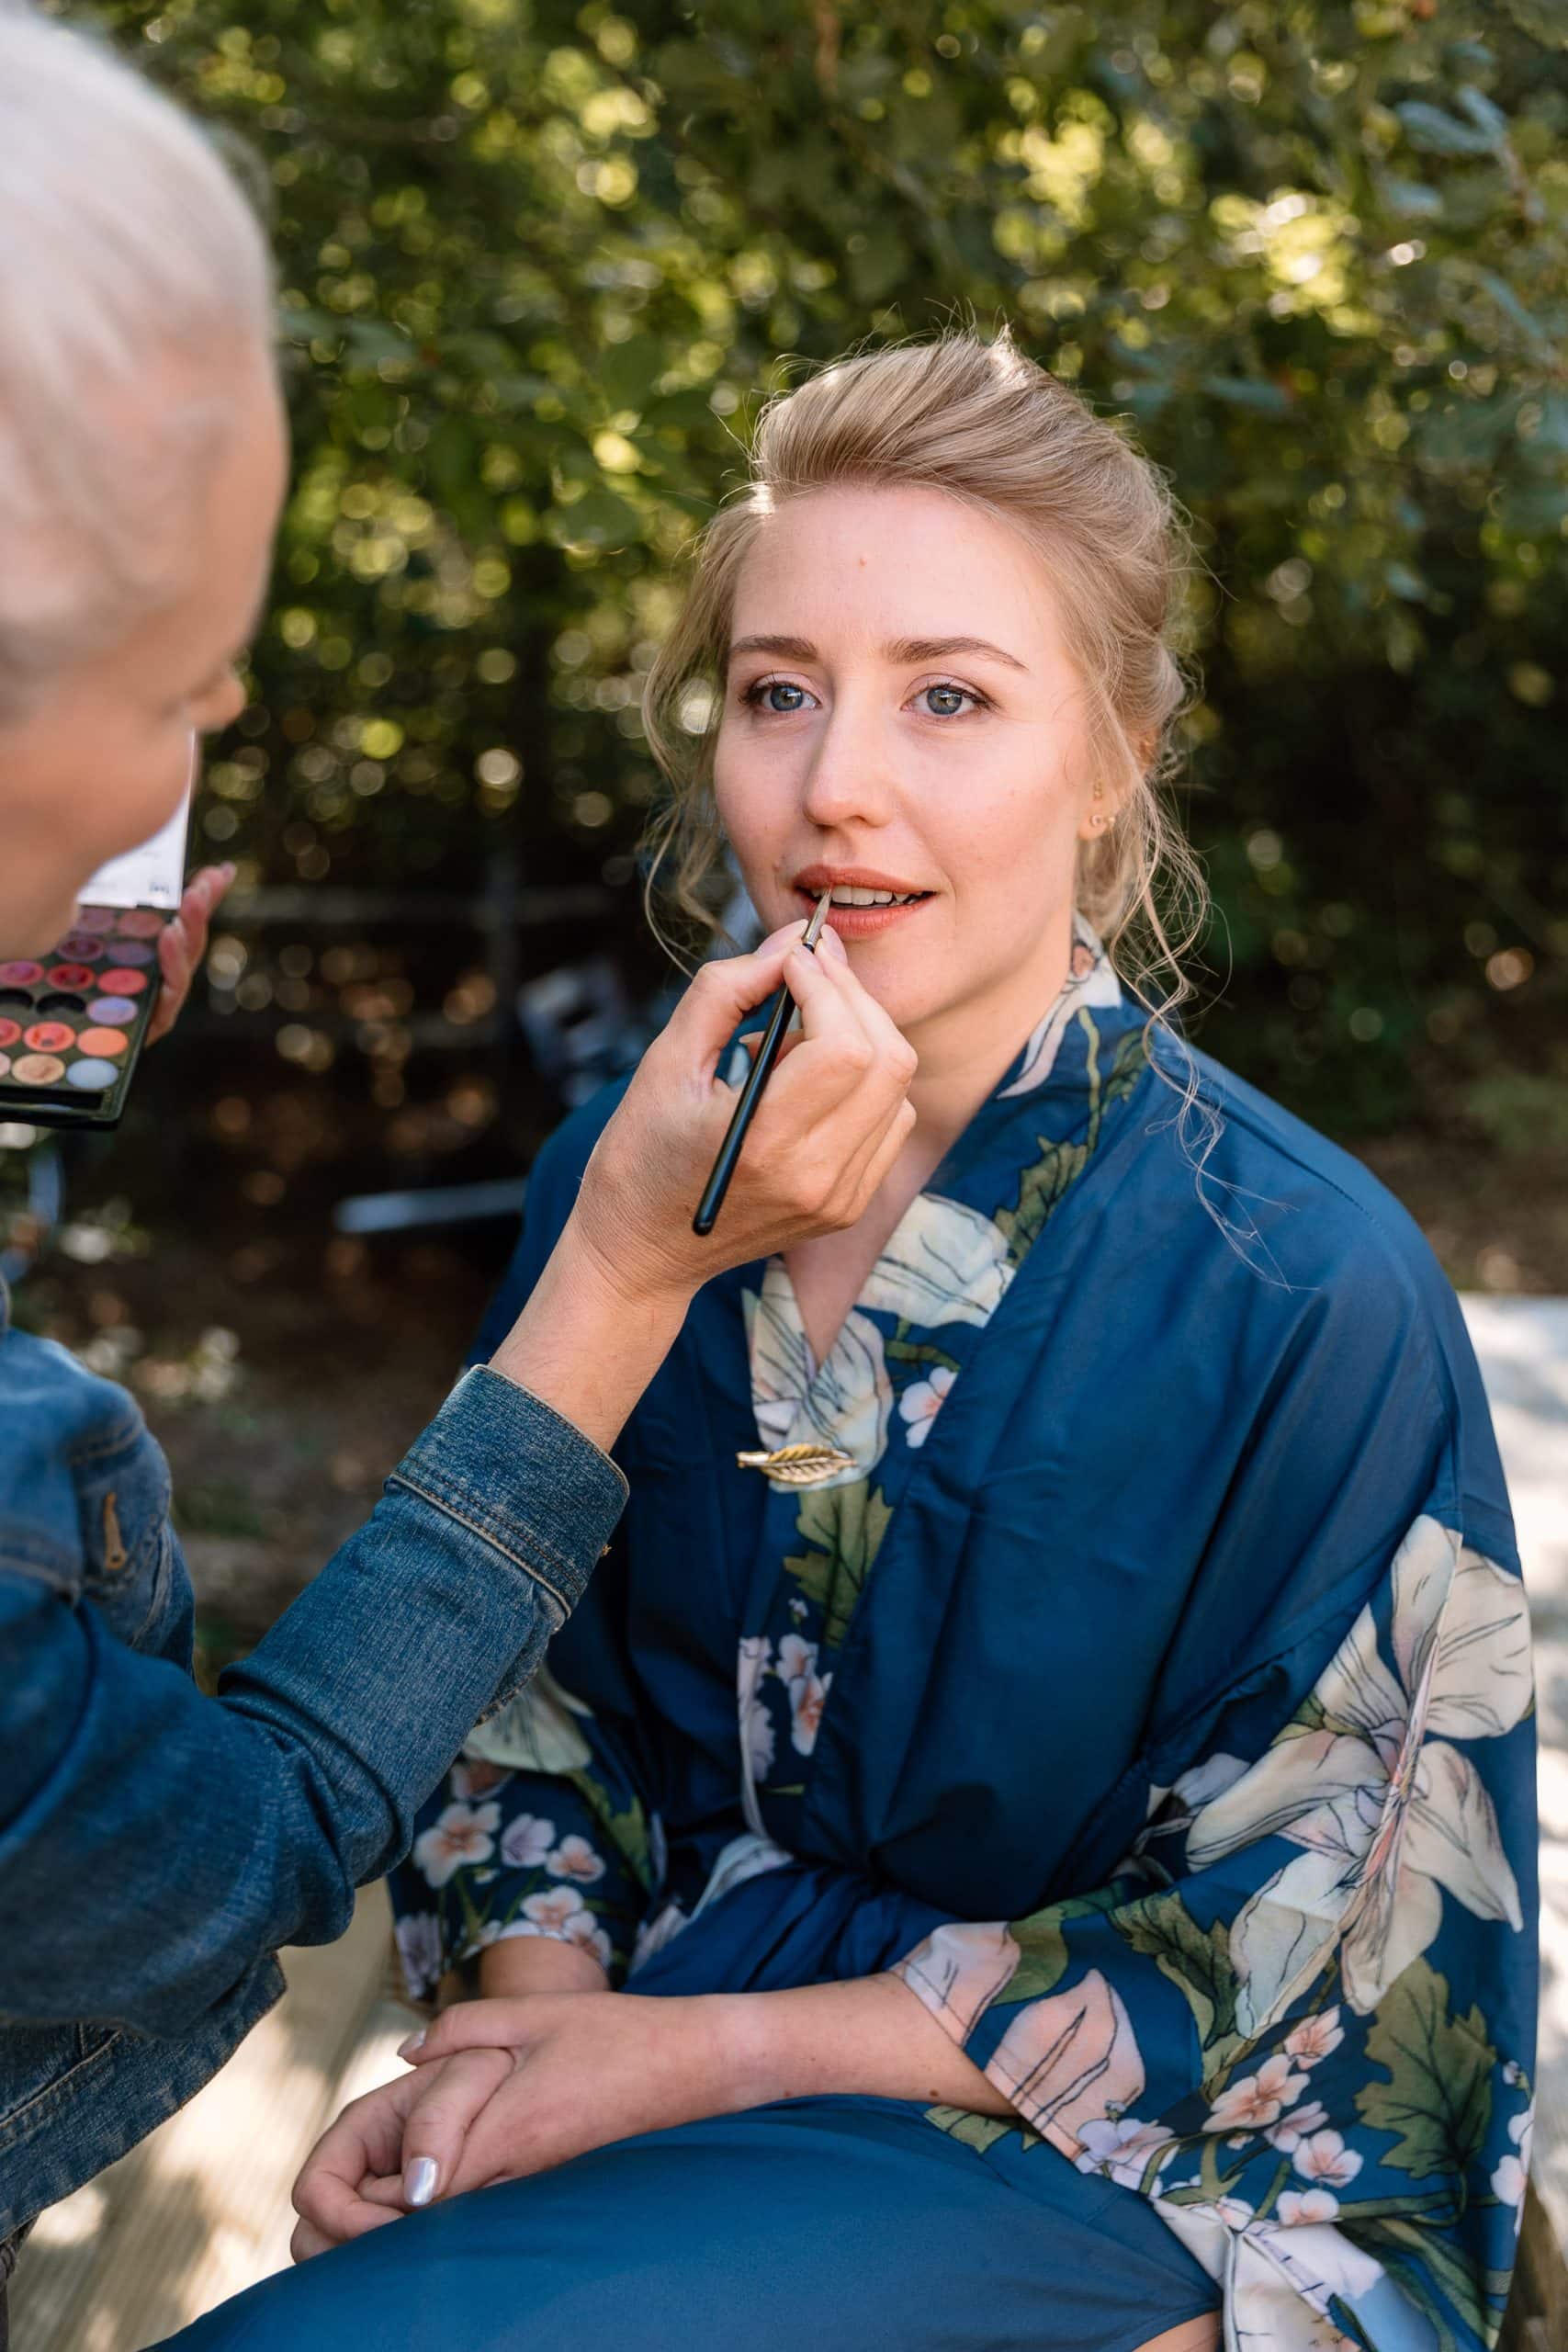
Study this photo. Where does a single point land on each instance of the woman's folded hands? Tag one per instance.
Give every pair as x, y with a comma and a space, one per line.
502, 2088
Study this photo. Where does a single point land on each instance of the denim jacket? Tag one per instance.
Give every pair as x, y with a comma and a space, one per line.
157, 1846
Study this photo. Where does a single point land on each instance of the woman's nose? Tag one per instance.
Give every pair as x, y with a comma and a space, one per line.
849, 779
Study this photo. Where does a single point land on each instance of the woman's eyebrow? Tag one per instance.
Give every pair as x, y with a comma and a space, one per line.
790, 648
908, 649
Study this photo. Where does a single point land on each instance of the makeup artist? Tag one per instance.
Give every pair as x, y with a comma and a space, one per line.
142, 462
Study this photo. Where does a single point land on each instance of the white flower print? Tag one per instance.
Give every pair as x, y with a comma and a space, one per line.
1121, 2151
795, 1657
807, 1697
1291, 2130
845, 1402
1509, 2179
574, 1858
1256, 2099
959, 1970
461, 1834
553, 1909
1391, 1816
753, 1661
583, 1928
1315, 2038
944, 1263
525, 1841
1324, 2159
1299, 2206
923, 1400
1070, 2059
419, 1949
1090, 981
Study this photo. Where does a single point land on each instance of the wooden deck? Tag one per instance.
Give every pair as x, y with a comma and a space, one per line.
201, 2209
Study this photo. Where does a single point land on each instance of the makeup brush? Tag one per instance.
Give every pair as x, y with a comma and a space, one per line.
751, 1090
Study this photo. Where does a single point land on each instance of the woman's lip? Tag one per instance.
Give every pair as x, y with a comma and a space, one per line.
863, 922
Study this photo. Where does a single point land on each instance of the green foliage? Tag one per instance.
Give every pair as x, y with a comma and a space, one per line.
1196, 1961
540, 262
844, 1526
1438, 2095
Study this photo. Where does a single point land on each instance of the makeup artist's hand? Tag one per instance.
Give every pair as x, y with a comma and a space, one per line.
183, 944
615, 1291
830, 1122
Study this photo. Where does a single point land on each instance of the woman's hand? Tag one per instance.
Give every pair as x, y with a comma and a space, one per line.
542, 2079
183, 944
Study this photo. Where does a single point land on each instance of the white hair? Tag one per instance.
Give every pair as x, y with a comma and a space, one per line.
125, 243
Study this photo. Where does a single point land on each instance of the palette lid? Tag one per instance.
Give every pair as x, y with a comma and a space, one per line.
152, 875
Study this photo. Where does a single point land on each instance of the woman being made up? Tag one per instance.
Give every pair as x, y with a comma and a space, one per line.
1064, 1836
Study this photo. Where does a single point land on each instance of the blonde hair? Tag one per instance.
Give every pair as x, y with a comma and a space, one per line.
983, 423
124, 239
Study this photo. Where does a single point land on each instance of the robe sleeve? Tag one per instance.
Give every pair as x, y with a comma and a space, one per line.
1300, 2016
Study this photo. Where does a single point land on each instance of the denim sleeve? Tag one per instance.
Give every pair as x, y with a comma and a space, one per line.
155, 1841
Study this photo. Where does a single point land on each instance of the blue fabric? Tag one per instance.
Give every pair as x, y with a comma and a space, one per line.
195, 1836
1148, 1685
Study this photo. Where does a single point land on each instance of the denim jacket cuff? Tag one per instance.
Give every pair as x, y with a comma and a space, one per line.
512, 1469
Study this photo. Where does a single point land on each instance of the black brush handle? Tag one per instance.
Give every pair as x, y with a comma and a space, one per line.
751, 1094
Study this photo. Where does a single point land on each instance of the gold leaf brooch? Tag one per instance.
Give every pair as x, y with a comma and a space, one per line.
799, 1466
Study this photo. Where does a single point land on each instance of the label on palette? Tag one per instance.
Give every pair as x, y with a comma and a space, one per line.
152, 875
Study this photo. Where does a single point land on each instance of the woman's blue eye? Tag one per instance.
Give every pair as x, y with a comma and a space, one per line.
782, 695
945, 701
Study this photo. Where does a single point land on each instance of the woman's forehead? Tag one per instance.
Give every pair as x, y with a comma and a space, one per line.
893, 565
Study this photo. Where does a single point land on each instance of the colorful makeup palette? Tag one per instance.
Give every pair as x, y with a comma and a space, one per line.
72, 1023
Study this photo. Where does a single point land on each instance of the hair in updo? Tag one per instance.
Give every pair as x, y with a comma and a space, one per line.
985, 425
124, 241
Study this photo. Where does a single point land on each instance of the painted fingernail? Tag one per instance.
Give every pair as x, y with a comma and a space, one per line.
420, 2179
416, 2042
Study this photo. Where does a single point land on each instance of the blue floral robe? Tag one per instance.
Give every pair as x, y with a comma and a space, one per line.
1150, 1686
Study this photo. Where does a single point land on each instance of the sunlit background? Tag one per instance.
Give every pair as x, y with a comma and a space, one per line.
539, 266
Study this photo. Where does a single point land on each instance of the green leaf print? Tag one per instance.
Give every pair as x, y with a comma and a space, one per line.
1429, 2270
628, 1831
1043, 1186
845, 1525
1195, 1960
979, 2131
1437, 2098
1042, 1946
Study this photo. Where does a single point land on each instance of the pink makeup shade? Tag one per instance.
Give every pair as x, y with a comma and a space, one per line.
51, 1037
21, 975
105, 1043
140, 922
121, 981
38, 1069
95, 918
83, 948
10, 1032
71, 975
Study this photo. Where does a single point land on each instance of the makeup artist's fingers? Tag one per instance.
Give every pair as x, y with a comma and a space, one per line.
184, 944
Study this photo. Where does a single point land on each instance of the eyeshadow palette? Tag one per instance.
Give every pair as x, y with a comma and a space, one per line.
72, 1023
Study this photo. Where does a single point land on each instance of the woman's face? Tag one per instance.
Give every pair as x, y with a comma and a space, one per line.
102, 762
901, 715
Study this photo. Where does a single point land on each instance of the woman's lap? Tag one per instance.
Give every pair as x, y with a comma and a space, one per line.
842, 2222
